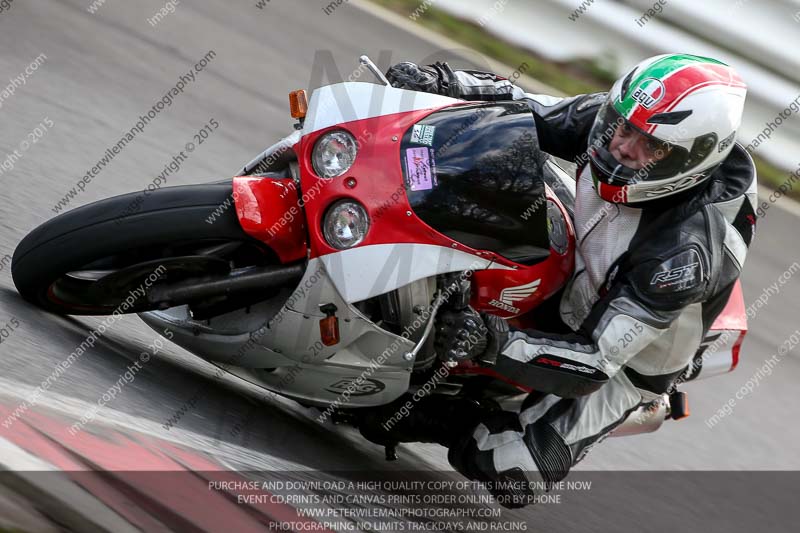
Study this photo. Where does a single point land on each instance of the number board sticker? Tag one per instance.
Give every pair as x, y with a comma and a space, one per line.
420, 168
422, 134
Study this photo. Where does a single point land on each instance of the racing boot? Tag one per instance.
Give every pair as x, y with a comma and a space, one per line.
440, 419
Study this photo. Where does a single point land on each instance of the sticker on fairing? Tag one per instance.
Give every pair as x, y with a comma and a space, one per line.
422, 134
419, 169
357, 386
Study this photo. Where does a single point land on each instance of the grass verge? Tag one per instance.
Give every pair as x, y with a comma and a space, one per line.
575, 77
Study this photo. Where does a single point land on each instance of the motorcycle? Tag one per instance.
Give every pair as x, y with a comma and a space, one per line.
318, 272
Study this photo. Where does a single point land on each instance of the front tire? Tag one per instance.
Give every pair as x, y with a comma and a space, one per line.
88, 260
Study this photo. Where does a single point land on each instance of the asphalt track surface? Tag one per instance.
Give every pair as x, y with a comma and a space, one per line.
103, 70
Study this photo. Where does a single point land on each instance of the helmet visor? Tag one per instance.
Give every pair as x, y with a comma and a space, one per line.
623, 154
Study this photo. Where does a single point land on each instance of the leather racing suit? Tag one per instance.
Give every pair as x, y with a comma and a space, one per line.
647, 285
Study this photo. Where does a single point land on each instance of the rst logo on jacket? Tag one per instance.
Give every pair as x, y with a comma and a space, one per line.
509, 295
678, 273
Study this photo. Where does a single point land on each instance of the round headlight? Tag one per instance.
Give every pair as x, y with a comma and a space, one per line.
334, 154
346, 224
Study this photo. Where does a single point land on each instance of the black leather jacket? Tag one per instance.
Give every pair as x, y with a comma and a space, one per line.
648, 282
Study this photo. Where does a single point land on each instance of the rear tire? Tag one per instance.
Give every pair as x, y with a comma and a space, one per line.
122, 231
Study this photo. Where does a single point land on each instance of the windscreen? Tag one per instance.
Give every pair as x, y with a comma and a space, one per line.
474, 173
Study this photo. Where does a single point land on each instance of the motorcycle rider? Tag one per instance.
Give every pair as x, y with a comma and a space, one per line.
664, 216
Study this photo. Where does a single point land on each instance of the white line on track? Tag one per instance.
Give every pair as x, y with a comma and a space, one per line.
784, 202
16, 458
230, 455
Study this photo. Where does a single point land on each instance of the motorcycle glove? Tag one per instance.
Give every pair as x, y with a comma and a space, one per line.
407, 75
461, 335
440, 78
465, 334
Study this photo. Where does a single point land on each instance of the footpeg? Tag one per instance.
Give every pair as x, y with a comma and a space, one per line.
678, 405
391, 452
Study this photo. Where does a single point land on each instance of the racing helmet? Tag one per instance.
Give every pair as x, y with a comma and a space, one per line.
664, 127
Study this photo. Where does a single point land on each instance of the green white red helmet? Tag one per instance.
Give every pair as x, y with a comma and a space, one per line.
687, 109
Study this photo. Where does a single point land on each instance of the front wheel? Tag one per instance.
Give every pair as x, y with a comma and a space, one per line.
105, 256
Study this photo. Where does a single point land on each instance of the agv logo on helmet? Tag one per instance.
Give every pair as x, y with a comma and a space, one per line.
649, 92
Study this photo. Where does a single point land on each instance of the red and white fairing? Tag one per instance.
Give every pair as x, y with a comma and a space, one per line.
399, 251
399, 247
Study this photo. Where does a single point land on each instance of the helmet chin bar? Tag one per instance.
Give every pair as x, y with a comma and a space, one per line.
641, 194
611, 171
